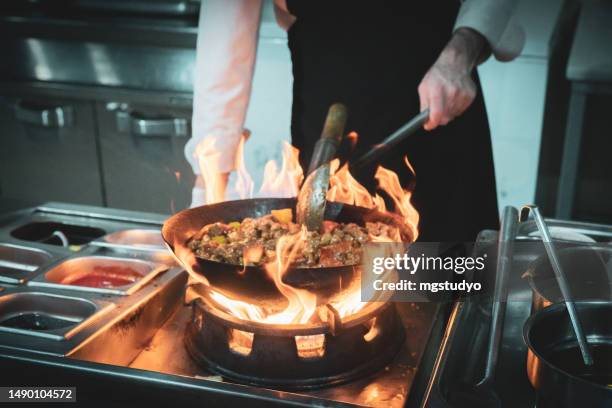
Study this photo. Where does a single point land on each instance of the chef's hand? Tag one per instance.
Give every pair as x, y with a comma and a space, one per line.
448, 89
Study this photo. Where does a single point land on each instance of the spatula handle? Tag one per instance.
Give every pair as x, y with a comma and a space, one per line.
331, 136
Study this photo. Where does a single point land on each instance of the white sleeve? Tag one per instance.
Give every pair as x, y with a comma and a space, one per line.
225, 59
495, 21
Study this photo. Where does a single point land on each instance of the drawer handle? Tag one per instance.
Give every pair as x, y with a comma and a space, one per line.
45, 116
142, 7
149, 127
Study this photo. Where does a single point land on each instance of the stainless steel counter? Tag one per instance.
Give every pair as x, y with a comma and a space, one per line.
389, 388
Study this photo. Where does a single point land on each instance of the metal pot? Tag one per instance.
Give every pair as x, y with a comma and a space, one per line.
554, 364
586, 271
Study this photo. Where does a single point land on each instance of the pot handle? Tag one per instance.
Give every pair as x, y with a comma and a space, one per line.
505, 250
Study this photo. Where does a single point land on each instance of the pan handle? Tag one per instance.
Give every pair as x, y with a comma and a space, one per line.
505, 250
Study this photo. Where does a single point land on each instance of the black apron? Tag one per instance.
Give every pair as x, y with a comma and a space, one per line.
371, 56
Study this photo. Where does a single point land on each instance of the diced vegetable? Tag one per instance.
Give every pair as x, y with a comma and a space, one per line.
284, 216
253, 254
253, 241
219, 239
326, 238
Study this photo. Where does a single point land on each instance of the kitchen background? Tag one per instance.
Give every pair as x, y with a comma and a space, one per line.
95, 104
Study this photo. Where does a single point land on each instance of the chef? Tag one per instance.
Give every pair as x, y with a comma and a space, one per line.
386, 60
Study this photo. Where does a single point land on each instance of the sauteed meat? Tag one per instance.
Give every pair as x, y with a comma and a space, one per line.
253, 241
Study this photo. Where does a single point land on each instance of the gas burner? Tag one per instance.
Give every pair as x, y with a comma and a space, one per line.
293, 356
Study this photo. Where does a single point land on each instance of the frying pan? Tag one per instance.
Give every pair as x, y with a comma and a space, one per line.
254, 281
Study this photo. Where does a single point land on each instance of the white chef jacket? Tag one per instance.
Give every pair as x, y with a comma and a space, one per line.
225, 58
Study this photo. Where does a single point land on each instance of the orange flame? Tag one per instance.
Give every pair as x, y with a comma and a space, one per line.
345, 189
287, 181
301, 305
388, 181
244, 181
209, 160
353, 138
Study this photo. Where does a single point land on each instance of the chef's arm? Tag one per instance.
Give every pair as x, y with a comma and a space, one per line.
482, 27
225, 60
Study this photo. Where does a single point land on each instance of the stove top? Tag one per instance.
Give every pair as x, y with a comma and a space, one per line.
134, 350
388, 387
140, 352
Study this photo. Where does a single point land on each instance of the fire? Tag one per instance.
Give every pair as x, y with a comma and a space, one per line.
345, 189
388, 182
302, 304
244, 181
353, 138
209, 160
287, 181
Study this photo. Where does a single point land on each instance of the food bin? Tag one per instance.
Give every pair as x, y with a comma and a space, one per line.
18, 263
100, 274
47, 315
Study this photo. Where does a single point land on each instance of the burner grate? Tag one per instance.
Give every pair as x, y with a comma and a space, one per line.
290, 356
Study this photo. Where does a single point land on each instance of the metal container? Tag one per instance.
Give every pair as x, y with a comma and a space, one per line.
19, 263
99, 327
83, 267
554, 365
136, 239
80, 225
47, 315
135, 320
586, 268
570, 231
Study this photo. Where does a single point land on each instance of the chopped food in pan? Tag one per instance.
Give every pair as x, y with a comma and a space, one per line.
253, 241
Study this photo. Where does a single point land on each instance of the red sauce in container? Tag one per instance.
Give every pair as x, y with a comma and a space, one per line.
104, 277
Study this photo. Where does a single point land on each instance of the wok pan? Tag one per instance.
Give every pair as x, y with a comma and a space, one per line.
254, 281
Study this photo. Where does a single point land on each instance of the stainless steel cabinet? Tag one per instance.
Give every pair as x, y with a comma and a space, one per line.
142, 156
48, 150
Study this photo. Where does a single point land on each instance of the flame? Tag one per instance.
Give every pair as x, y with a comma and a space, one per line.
301, 306
209, 160
353, 138
388, 181
302, 303
244, 181
287, 181
345, 189
348, 302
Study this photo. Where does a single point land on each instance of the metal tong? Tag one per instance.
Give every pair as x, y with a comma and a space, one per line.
483, 393
561, 280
